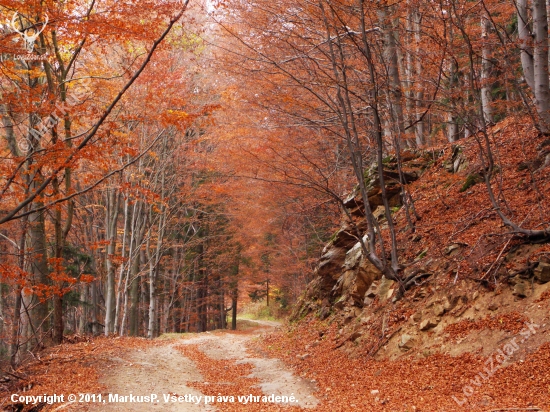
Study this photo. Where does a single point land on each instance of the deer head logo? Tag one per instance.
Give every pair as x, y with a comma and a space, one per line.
30, 34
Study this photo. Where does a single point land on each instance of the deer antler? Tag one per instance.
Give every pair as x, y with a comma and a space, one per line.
13, 26
23, 33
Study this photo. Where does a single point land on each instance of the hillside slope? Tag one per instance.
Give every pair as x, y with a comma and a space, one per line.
478, 292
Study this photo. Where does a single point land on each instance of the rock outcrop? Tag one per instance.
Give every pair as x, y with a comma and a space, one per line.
344, 277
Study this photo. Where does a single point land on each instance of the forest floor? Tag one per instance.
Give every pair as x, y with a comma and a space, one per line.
239, 371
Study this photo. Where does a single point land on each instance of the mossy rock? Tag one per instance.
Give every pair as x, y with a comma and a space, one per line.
472, 180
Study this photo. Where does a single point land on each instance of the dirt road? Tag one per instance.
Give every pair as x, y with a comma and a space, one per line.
163, 371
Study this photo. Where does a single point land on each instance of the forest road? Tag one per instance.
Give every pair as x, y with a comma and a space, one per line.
164, 371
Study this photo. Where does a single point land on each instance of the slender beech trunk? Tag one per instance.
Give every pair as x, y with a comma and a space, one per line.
154, 260
394, 93
119, 291
16, 328
134, 278
526, 38
111, 219
486, 70
419, 102
453, 132
133, 315
39, 266
234, 300
84, 302
540, 61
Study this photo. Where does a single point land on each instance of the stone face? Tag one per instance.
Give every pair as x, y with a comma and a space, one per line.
521, 289
333, 257
343, 238
406, 342
354, 284
417, 317
353, 256
428, 324
542, 272
438, 309
450, 302
356, 274
373, 290
384, 288
331, 262
344, 276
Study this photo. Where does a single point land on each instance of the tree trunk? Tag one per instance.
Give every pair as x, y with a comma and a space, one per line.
83, 320
540, 60
111, 218
39, 268
267, 291
395, 94
234, 309
419, 129
133, 315
58, 254
119, 291
526, 38
486, 71
151, 327
15, 328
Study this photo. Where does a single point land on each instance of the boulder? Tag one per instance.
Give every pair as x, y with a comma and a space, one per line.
406, 342
438, 309
454, 249
372, 291
416, 317
428, 324
384, 288
450, 302
542, 272
457, 162
521, 289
